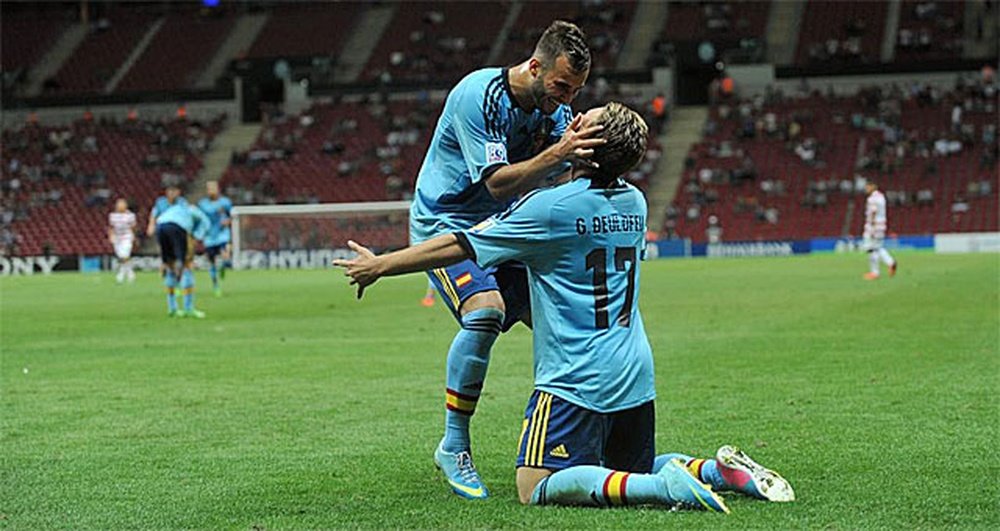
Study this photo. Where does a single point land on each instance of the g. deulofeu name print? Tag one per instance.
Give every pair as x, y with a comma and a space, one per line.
611, 223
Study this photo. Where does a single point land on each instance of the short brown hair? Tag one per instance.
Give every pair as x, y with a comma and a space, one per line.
564, 38
626, 133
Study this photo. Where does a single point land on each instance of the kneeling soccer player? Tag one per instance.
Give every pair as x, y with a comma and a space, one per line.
589, 428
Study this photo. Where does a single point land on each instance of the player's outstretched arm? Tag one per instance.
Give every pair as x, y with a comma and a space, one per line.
368, 267
577, 144
151, 226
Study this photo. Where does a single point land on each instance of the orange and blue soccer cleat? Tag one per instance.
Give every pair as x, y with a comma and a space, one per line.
687, 491
460, 473
747, 476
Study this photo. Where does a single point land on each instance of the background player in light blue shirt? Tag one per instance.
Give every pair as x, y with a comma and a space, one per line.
173, 221
502, 132
218, 209
589, 430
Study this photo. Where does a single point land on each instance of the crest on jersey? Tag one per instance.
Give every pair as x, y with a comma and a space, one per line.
495, 152
483, 225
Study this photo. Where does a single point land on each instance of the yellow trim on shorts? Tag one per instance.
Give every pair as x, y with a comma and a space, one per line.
449, 288
535, 450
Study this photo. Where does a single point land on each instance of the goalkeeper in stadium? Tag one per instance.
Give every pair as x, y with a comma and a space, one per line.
588, 433
502, 133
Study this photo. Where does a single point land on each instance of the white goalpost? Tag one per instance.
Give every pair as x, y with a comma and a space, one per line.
292, 236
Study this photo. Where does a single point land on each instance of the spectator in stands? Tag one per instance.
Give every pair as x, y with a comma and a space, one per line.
956, 118
925, 197
988, 160
9, 241
659, 108
714, 231
958, 204
806, 151
771, 215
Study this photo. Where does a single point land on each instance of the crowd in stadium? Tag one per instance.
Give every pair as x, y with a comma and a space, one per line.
771, 158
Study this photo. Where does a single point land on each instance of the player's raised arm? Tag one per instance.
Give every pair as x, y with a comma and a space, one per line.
368, 267
576, 144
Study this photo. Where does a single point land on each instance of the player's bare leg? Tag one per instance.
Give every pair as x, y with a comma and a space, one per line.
888, 260
873, 269
428, 299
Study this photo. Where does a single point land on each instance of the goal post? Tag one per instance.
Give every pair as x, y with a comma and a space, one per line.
308, 236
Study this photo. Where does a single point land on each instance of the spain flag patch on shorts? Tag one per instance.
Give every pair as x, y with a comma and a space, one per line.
463, 279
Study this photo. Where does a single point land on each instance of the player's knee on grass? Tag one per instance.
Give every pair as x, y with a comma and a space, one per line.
527, 479
483, 300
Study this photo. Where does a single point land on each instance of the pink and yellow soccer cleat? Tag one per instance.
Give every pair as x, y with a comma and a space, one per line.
747, 476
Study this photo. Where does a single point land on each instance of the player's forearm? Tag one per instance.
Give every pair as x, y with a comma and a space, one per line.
437, 252
515, 179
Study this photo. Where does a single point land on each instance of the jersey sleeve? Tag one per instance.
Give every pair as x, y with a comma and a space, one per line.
561, 118
525, 233
480, 125
201, 223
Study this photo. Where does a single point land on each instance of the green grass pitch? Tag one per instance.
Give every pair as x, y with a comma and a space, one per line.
295, 406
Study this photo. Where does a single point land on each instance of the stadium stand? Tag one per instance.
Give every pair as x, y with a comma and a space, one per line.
26, 36
775, 168
368, 150
605, 24
929, 31
105, 49
60, 182
305, 29
728, 20
349, 151
435, 41
185, 43
841, 32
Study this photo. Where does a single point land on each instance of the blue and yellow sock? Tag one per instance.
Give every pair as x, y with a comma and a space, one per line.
468, 360
170, 283
187, 286
597, 486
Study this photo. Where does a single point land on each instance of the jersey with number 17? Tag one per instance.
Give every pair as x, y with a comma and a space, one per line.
582, 245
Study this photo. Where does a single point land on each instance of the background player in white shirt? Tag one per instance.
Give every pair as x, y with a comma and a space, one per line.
121, 234
874, 235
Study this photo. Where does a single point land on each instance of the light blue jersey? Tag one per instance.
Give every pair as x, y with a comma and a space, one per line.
582, 246
177, 213
480, 129
217, 210
201, 225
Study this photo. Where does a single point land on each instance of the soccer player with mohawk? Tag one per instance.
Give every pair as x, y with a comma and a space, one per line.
589, 428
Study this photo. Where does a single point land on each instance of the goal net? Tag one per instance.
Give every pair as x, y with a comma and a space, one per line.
310, 236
